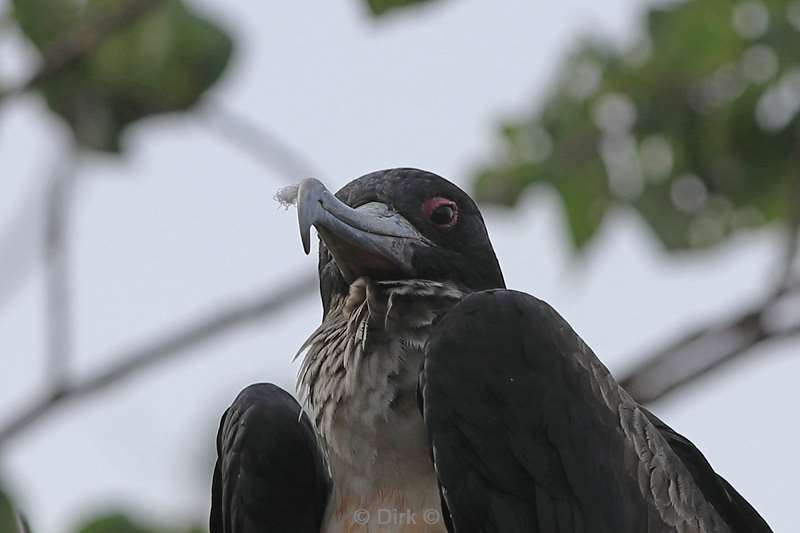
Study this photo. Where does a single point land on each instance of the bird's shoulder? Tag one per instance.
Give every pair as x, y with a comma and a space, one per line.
506, 377
494, 321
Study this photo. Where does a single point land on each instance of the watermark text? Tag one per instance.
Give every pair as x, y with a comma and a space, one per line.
396, 517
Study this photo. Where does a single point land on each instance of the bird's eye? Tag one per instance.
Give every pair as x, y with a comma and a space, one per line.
443, 215
441, 211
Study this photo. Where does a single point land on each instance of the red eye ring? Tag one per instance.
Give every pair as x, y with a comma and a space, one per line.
442, 212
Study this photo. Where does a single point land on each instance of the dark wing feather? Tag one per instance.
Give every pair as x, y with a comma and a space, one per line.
270, 475
531, 433
737, 512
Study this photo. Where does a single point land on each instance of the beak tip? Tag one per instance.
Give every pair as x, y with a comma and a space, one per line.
305, 237
308, 208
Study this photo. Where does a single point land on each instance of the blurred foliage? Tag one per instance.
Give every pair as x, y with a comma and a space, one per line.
381, 7
8, 521
695, 126
121, 523
162, 62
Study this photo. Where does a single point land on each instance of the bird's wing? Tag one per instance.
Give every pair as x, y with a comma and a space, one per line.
270, 475
531, 433
735, 510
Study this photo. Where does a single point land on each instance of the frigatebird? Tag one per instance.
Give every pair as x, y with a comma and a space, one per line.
436, 399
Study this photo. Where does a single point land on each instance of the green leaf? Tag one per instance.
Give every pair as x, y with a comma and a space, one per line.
122, 523
381, 7
42, 22
162, 62
114, 523
697, 127
8, 518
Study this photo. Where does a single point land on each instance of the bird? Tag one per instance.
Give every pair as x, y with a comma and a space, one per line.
433, 398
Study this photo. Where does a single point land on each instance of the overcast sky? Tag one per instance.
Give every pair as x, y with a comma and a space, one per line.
185, 222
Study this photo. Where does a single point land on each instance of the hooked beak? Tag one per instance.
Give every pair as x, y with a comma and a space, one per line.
371, 240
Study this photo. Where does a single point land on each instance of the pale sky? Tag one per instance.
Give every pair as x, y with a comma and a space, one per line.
185, 221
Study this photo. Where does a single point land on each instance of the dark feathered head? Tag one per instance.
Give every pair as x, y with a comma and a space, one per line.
397, 224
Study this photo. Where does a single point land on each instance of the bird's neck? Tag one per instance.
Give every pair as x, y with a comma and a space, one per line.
359, 380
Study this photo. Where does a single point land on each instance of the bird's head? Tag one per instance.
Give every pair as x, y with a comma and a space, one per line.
394, 225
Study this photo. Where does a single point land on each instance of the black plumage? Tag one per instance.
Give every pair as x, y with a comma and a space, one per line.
525, 426
270, 474
527, 430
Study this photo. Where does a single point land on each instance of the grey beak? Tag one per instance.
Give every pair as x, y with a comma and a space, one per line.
369, 240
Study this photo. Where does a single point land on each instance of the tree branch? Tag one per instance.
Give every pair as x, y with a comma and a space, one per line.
792, 248
62, 53
163, 348
57, 282
59, 55
693, 356
19, 251
259, 143
82, 41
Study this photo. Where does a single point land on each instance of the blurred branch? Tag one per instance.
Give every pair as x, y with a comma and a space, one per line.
23, 526
792, 250
693, 356
6, 18
18, 242
163, 348
62, 53
80, 42
259, 143
57, 282
267, 148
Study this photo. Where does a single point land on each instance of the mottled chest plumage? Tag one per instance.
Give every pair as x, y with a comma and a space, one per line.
359, 379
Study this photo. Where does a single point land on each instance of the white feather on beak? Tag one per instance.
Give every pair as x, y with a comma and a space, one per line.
287, 196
